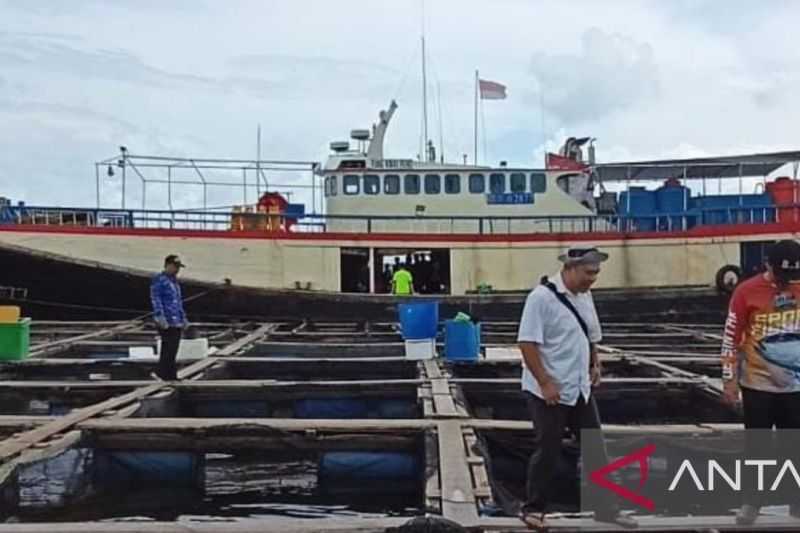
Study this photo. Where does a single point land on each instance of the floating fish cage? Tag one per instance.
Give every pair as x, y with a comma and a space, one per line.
317, 424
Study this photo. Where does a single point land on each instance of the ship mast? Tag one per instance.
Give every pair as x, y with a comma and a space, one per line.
424, 94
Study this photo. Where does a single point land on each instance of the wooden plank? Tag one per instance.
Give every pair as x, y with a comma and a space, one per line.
49, 363
49, 348
610, 429
260, 333
283, 524
690, 379
693, 332
477, 465
432, 370
207, 386
649, 523
143, 425
458, 499
433, 493
389, 424
440, 386
23, 421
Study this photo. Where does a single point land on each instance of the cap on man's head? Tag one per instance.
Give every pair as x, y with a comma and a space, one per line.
784, 258
173, 259
579, 254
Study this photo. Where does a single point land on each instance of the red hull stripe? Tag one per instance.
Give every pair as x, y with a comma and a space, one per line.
728, 230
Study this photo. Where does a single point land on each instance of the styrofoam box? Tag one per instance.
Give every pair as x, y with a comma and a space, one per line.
189, 348
420, 349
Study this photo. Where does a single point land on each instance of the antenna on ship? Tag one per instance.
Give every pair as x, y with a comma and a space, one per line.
424, 86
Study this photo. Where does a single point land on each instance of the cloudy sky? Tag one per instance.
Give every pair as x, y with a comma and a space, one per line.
194, 78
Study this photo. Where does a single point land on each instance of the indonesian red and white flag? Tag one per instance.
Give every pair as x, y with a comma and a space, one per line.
491, 90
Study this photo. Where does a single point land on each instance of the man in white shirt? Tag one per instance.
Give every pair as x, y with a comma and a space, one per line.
560, 366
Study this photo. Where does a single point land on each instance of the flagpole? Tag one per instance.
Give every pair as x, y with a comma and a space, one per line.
475, 124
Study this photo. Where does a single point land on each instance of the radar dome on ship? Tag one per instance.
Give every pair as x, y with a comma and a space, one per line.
360, 135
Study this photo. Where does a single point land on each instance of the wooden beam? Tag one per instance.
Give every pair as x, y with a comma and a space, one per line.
458, 499
649, 523
50, 348
277, 523
694, 332
143, 425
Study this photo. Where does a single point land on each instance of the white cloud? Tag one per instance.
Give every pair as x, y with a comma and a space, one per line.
649, 79
611, 73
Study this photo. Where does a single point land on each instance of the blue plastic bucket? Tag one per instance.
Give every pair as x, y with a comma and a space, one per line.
418, 320
462, 341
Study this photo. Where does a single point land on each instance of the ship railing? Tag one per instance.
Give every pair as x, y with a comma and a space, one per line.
456, 224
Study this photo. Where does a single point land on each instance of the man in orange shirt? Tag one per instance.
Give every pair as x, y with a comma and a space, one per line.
761, 353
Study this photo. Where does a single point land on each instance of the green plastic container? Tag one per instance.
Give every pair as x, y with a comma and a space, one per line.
15, 340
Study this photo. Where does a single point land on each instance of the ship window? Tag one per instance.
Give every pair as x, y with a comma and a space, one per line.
518, 182
497, 183
391, 184
477, 183
334, 187
565, 183
351, 184
411, 184
538, 182
433, 184
372, 184
353, 164
327, 187
452, 183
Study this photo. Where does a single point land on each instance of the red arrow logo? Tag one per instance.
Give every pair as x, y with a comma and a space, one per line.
640, 456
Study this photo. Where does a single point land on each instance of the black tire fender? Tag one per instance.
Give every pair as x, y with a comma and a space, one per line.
727, 278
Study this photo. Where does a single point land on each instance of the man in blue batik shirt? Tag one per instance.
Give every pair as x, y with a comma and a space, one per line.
169, 316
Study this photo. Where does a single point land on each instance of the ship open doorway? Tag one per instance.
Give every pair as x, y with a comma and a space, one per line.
355, 270
430, 268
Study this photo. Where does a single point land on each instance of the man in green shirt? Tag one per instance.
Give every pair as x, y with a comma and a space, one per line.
402, 281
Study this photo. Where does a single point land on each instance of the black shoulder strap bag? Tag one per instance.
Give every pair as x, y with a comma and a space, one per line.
564, 300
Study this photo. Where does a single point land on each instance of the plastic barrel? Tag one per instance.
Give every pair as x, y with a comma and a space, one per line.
231, 409
784, 192
340, 408
183, 469
462, 341
418, 320
368, 466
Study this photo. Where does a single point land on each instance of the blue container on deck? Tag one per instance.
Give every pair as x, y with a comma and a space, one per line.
639, 201
419, 320
462, 341
368, 466
672, 201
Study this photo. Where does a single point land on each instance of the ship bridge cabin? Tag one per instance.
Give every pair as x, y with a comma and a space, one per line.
433, 196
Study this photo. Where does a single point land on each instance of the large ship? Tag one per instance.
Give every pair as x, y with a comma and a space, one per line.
475, 237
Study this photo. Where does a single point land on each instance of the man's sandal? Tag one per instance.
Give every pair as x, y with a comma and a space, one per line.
534, 521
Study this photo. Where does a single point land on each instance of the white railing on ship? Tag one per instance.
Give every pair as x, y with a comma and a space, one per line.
222, 221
